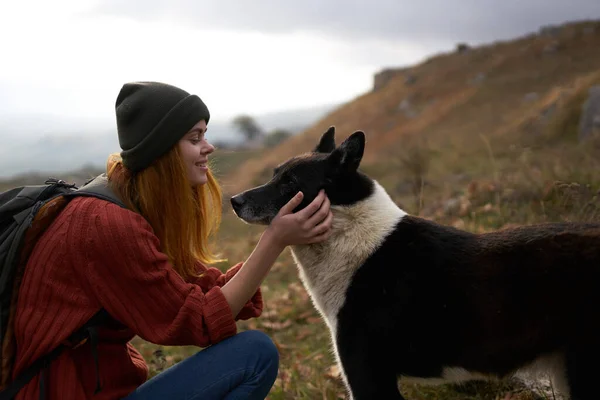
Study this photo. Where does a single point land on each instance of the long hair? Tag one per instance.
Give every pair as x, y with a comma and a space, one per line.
183, 217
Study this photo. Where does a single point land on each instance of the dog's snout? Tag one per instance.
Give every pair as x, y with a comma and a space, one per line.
237, 201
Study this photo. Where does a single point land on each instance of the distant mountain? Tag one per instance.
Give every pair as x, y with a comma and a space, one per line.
50, 144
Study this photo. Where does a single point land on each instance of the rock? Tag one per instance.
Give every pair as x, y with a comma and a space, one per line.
550, 30
457, 206
589, 123
452, 206
462, 48
410, 80
407, 109
383, 77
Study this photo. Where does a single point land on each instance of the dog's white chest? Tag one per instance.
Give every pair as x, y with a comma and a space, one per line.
327, 269
326, 279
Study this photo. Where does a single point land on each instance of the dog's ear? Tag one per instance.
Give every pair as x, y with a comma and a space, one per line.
348, 156
327, 142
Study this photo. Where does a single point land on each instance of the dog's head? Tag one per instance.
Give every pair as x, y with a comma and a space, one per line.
334, 169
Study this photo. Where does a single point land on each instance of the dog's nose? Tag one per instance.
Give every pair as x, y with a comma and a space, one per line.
237, 201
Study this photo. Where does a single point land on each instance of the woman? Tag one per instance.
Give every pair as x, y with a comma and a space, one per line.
145, 265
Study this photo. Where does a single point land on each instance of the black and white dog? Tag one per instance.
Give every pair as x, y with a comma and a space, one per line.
406, 298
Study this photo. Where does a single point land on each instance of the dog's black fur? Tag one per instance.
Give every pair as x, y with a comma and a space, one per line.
430, 297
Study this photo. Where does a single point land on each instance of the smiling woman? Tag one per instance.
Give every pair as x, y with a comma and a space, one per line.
147, 266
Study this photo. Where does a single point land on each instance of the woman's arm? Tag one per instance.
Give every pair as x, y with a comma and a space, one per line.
118, 257
212, 276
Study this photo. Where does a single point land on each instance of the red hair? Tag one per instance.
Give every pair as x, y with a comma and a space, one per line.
182, 216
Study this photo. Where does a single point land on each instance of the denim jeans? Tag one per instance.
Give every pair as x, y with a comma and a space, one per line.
243, 366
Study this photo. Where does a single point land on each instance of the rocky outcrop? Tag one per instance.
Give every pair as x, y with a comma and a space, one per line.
463, 48
550, 30
383, 77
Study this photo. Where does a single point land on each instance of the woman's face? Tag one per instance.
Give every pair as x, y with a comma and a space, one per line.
194, 150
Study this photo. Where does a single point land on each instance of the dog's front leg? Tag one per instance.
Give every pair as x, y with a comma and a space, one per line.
369, 379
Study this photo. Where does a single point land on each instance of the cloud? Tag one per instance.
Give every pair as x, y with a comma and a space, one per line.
424, 20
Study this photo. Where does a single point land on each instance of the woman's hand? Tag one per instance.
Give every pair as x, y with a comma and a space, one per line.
309, 225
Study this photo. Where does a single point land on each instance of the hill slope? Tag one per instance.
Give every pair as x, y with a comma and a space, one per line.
461, 104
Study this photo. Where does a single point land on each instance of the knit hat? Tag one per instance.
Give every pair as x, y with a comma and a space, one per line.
151, 118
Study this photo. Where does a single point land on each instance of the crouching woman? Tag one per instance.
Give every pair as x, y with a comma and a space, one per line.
146, 265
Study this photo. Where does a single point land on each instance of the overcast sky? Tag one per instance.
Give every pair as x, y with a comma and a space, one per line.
70, 57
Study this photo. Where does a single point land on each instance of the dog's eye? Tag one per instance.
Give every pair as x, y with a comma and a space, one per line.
292, 180
288, 185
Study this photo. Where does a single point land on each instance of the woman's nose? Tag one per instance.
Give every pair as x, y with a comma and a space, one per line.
209, 148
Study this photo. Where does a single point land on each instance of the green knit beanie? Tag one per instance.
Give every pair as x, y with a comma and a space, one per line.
151, 118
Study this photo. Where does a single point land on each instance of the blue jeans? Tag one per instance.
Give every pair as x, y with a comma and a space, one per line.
243, 366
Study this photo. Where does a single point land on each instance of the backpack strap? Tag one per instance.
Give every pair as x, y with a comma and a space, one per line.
87, 330
98, 187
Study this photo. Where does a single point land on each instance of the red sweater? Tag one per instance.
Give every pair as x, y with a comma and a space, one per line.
99, 255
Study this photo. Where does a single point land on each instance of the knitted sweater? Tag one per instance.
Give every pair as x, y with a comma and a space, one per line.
99, 255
